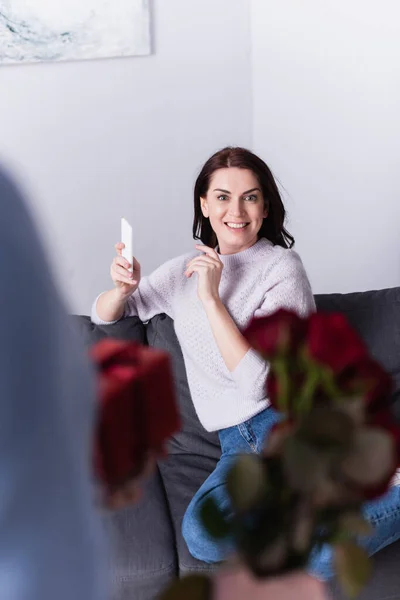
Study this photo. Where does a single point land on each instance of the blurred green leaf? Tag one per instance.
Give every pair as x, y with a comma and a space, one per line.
262, 527
305, 468
307, 390
274, 556
353, 567
247, 481
353, 523
353, 407
327, 426
302, 527
192, 587
370, 461
214, 520
329, 383
279, 365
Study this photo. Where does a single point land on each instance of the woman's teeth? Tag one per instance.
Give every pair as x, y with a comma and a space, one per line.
236, 225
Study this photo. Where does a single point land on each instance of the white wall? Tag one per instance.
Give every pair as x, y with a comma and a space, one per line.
326, 117
96, 140
313, 86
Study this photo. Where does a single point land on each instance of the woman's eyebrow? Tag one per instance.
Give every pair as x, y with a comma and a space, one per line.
228, 192
252, 190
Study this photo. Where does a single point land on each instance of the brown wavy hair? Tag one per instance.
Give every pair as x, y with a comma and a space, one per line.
273, 225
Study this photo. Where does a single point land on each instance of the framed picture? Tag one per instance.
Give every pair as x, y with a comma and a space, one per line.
55, 30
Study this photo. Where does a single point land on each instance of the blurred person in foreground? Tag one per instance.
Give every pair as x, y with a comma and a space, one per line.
51, 543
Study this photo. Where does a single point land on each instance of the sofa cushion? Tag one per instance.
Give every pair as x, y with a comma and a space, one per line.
376, 316
385, 581
193, 452
141, 545
130, 328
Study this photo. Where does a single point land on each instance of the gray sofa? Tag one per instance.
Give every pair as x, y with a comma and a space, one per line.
147, 549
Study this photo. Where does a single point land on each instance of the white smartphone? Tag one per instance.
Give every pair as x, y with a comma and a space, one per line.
126, 238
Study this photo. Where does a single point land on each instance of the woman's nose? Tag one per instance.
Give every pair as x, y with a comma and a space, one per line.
236, 208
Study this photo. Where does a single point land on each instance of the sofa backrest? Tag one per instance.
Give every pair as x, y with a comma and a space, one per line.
376, 316
131, 329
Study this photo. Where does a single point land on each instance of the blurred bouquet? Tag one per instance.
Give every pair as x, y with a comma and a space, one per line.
335, 447
136, 415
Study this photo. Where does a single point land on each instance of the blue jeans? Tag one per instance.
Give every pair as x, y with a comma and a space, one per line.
249, 436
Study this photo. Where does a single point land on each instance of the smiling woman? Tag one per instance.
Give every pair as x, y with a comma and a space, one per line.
245, 267
235, 208
235, 173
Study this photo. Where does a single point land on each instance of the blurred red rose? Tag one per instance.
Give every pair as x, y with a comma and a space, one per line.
368, 379
332, 342
281, 333
137, 412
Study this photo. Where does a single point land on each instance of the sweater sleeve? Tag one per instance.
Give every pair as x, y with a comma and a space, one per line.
156, 293
291, 290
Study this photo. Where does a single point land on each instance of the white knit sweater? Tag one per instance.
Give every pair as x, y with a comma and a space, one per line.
254, 282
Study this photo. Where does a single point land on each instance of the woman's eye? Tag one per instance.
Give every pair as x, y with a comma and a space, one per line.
222, 197
251, 198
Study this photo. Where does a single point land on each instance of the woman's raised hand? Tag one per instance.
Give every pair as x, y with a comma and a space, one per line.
209, 270
125, 281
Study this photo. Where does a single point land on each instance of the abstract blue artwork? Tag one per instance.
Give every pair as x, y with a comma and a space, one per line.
54, 30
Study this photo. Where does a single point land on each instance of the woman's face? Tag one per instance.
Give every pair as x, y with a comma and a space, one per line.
235, 206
